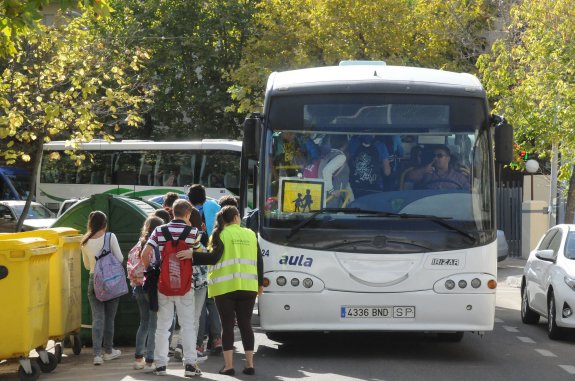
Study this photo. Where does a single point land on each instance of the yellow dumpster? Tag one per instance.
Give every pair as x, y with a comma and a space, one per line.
24, 293
65, 284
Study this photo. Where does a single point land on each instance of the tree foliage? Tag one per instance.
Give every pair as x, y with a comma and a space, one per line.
530, 78
294, 34
193, 45
20, 18
68, 83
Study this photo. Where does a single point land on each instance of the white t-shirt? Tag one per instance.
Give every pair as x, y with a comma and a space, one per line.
92, 248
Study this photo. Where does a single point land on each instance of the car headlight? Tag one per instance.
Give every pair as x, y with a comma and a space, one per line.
569, 281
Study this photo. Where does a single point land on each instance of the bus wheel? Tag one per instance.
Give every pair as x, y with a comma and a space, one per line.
451, 337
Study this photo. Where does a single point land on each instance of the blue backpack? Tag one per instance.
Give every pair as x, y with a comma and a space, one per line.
109, 275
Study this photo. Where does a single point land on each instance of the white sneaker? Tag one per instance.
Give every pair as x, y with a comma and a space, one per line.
98, 360
201, 357
149, 367
139, 364
114, 355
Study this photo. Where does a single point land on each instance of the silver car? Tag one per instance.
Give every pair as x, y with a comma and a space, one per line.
38, 216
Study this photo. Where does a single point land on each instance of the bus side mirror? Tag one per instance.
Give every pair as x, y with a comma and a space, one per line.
251, 141
503, 140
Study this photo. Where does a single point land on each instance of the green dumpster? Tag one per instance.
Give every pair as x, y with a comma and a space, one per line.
126, 217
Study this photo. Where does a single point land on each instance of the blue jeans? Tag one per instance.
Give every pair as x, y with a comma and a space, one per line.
103, 315
146, 335
209, 321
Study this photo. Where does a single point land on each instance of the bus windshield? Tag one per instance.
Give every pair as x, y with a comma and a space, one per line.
378, 173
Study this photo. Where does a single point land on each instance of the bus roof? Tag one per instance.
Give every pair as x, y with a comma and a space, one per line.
370, 75
127, 145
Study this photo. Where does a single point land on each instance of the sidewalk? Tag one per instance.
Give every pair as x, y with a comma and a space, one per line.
75, 368
509, 272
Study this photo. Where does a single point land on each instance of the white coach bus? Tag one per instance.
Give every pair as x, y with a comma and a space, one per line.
376, 200
137, 168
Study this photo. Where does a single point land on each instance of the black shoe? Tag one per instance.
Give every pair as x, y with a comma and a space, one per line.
249, 371
160, 371
227, 372
192, 371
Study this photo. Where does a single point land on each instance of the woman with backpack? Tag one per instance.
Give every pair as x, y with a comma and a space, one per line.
103, 313
145, 336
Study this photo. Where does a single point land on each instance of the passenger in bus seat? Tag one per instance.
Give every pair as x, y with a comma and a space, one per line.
415, 161
441, 173
295, 153
369, 165
333, 168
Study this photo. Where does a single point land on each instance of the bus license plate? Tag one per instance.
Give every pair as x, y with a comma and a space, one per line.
391, 312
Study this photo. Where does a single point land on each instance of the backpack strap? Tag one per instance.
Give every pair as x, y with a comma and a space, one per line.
106, 248
185, 233
166, 233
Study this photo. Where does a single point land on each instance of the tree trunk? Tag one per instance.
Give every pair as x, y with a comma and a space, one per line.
570, 207
36, 158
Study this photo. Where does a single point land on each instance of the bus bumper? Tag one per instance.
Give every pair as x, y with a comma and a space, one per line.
324, 311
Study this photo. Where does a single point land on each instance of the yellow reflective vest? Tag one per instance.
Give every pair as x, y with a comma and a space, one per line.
237, 269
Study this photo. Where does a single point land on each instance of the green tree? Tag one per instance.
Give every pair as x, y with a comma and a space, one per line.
530, 79
193, 45
66, 83
293, 34
19, 18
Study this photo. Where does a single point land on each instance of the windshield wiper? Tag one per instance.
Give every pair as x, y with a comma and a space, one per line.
311, 217
438, 220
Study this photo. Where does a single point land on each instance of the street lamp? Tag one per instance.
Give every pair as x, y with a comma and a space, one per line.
531, 166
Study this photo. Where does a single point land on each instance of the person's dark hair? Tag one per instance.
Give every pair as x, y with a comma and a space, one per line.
169, 199
228, 200
196, 219
443, 148
163, 214
97, 220
225, 216
150, 224
181, 207
197, 194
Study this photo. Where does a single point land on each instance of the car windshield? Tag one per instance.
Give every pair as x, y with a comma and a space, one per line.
35, 211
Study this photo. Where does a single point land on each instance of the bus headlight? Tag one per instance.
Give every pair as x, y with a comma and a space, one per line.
295, 282
475, 283
307, 283
462, 283
281, 281
449, 284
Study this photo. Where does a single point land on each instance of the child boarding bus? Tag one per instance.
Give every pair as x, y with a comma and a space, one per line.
138, 168
376, 200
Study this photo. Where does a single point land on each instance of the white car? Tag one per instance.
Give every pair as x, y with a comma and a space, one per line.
548, 284
39, 216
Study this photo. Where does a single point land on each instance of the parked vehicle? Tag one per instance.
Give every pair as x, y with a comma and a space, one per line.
548, 284
160, 199
14, 183
39, 216
502, 246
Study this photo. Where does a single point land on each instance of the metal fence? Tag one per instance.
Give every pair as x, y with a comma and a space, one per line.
509, 201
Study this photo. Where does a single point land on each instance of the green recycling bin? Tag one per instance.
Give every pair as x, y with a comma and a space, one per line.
126, 217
